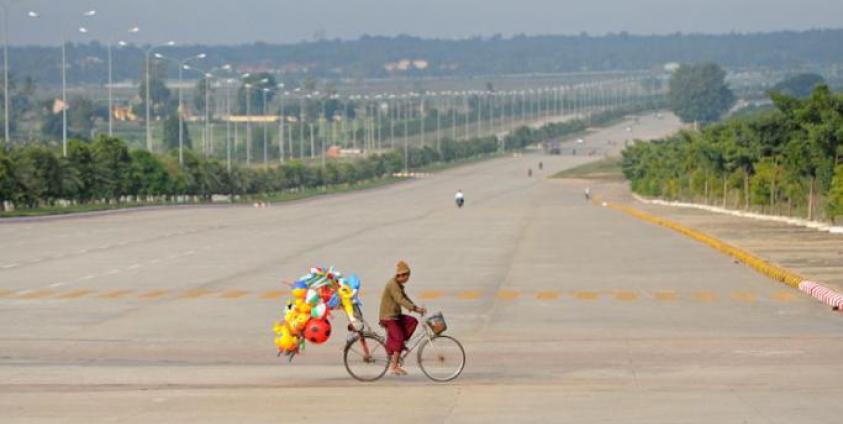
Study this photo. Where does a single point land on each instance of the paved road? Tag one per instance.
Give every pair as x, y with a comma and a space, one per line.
568, 311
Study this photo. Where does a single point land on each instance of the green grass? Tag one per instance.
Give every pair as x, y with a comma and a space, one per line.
272, 198
88, 207
608, 169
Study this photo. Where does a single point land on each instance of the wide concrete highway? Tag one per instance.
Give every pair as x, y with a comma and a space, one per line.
569, 312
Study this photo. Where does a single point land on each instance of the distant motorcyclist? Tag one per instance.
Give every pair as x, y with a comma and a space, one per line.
459, 198
529, 172
541, 166
587, 194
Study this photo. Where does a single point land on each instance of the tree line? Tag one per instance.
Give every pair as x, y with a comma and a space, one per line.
365, 57
105, 170
786, 160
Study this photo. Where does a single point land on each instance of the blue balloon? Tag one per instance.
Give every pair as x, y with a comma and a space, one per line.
353, 282
334, 301
299, 285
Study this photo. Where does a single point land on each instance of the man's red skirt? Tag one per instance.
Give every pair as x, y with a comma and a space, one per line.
398, 331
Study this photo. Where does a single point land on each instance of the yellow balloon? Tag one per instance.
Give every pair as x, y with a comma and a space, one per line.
289, 342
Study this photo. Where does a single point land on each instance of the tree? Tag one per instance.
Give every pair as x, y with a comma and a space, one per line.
7, 180
835, 195
698, 93
159, 95
171, 133
800, 85
147, 174
111, 167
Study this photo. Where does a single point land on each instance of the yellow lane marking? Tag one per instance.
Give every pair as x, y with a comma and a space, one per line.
585, 295
38, 294
195, 293
76, 294
665, 296
626, 296
115, 294
274, 294
4, 292
431, 294
508, 294
784, 296
234, 294
547, 295
744, 297
469, 295
154, 294
705, 296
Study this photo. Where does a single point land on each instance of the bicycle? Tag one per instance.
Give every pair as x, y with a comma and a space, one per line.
441, 358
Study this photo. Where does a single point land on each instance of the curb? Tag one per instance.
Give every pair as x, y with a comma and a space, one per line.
818, 291
815, 225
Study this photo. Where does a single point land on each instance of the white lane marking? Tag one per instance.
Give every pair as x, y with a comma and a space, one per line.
154, 261
87, 277
122, 243
134, 266
189, 252
82, 251
111, 271
59, 284
7, 266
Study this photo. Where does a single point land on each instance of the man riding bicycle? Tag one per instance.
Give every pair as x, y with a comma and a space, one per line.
459, 198
399, 327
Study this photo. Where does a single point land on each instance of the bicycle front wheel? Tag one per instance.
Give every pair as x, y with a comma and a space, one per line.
365, 357
441, 358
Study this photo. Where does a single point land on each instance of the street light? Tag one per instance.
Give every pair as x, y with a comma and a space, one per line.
147, 52
265, 144
121, 43
64, 35
182, 64
6, 95
83, 30
248, 87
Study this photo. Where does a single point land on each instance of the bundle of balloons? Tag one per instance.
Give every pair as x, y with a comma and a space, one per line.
307, 312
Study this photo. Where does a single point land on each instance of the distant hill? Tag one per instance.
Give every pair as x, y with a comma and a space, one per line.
372, 56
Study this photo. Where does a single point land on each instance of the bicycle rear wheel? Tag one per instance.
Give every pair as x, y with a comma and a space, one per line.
366, 358
441, 358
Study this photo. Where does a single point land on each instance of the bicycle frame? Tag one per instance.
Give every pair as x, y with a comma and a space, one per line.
418, 338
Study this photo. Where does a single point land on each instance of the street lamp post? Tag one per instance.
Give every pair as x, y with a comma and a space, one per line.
89, 13
281, 123
121, 43
265, 135
6, 96
183, 65
147, 52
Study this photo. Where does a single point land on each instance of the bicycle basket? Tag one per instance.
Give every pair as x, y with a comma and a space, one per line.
437, 324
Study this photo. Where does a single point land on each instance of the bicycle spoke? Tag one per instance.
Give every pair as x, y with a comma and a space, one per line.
441, 358
365, 367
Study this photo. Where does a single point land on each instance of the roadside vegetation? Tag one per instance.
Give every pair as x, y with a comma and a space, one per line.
783, 161
104, 173
607, 169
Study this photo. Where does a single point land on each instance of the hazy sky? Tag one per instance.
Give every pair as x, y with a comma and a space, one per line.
233, 22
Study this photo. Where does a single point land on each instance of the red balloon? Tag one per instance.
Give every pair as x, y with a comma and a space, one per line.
317, 331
